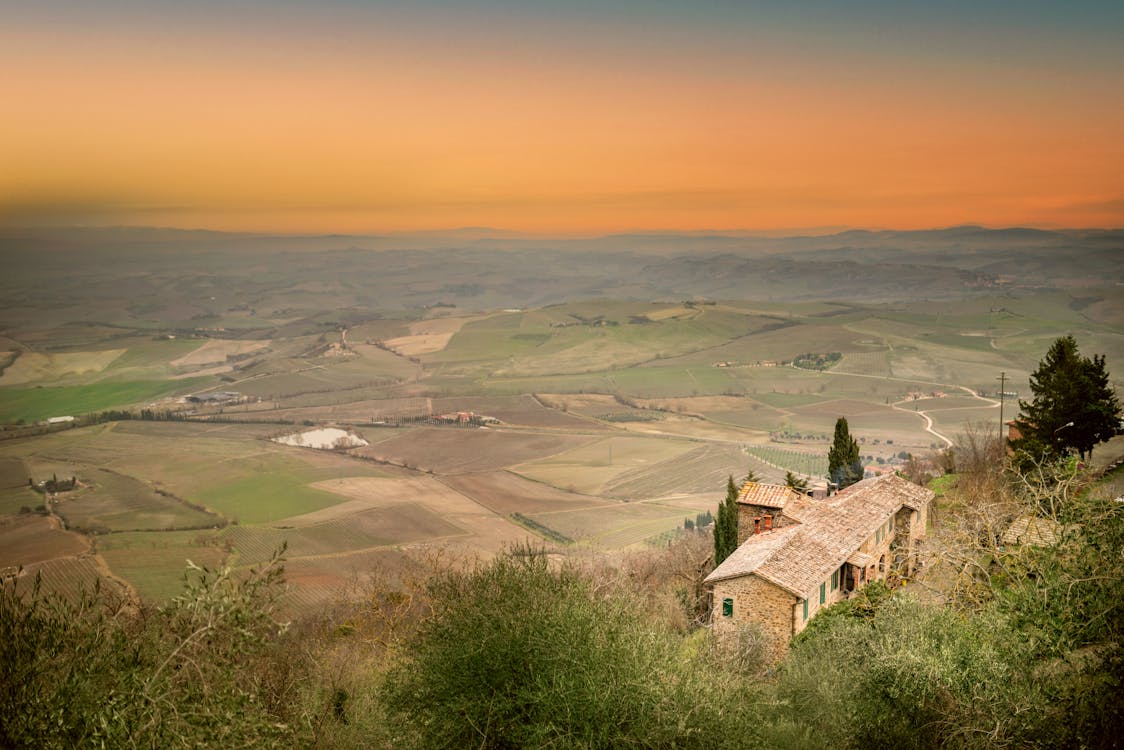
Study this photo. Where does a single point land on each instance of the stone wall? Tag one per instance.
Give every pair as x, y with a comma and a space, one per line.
755, 601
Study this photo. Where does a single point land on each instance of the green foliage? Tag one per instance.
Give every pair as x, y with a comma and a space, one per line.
1037, 665
1074, 405
518, 654
794, 482
726, 524
77, 674
844, 465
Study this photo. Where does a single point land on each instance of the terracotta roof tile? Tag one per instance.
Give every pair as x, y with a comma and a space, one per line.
829, 532
766, 495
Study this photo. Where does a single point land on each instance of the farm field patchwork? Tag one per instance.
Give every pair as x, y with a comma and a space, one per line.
452, 450
589, 468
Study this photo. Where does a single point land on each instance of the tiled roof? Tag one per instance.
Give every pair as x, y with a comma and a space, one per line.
766, 495
1039, 532
830, 531
748, 557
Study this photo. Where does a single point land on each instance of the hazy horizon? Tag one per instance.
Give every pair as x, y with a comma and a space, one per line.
562, 118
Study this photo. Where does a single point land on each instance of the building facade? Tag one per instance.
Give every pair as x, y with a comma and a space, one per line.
799, 553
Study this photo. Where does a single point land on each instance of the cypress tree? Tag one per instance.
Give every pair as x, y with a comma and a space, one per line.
726, 524
844, 465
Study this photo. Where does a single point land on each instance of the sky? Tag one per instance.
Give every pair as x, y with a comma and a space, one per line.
562, 118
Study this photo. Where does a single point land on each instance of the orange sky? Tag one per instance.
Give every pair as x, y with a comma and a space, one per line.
340, 126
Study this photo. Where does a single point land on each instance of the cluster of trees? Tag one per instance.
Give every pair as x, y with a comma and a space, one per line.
816, 360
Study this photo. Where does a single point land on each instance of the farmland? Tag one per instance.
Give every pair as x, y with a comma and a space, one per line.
629, 382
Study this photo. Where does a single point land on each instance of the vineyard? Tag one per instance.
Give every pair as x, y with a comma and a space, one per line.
866, 363
704, 469
69, 577
798, 462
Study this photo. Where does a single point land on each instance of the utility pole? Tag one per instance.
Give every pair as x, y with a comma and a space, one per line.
1002, 393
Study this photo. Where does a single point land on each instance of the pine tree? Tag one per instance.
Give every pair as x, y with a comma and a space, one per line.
1074, 405
726, 525
844, 465
794, 482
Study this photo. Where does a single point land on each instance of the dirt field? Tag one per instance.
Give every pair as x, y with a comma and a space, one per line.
391, 525
28, 539
506, 493
482, 529
450, 450
216, 351
702, 470
12, 473
428, 336
590, 468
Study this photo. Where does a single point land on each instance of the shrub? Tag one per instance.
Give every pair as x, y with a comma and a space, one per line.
519, 654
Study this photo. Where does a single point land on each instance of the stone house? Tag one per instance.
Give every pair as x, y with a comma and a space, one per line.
800, 553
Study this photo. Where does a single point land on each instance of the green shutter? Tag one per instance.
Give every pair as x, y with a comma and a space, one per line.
805, 609
727, 607
835, 580
823, 593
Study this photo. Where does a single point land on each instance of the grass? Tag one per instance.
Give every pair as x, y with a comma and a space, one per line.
12, 499
34, 404
121, 503
267, 497
155, 562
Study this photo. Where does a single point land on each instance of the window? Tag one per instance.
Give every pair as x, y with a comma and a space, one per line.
823, 593
891, 523
878, 536
805, 609
835, 580
727, 607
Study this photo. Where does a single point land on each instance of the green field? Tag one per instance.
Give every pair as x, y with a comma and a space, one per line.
155, 562
267, 497
33, 404
115, 502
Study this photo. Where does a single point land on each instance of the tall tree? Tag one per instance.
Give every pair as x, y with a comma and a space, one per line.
1074, 405
726, 524
844, 465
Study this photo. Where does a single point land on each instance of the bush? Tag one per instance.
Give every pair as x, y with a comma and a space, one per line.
518, 654
86, 673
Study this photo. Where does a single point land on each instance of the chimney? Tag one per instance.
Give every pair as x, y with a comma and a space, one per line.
819, 492
768, 523
757, 525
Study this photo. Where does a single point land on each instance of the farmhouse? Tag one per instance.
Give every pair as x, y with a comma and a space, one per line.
798, 553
